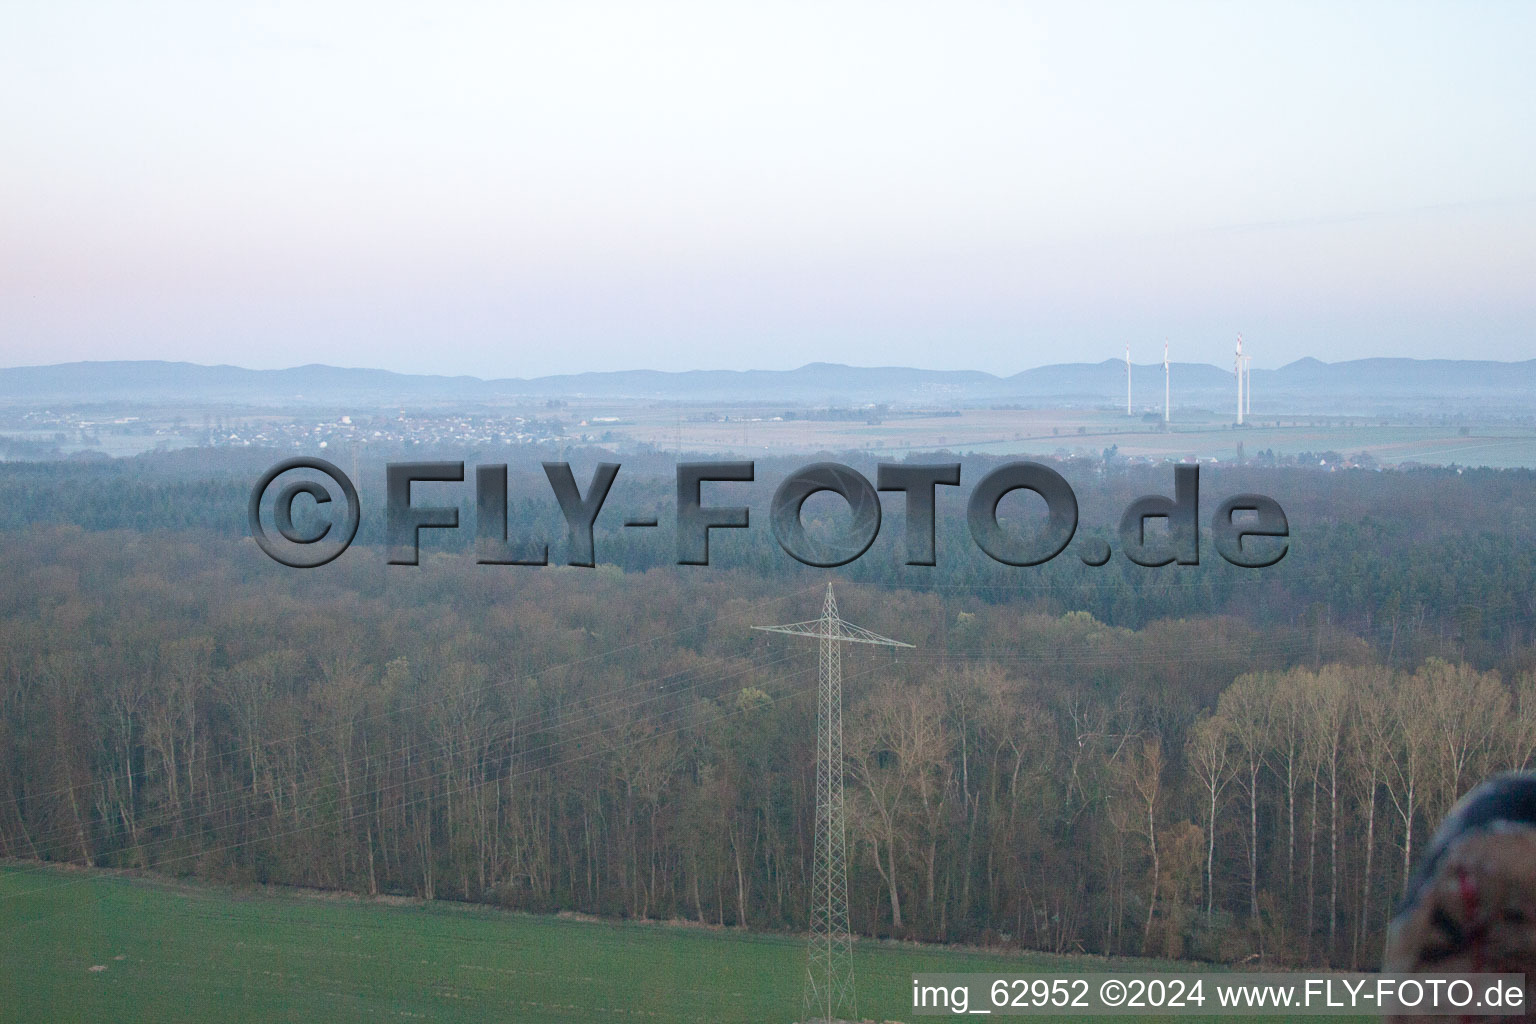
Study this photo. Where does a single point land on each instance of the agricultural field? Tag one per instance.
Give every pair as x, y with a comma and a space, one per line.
1203, 435
91, 946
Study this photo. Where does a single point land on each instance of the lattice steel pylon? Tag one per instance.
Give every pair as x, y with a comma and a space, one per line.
829, 989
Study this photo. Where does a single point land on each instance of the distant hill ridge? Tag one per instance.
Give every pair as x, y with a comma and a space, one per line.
1351, 386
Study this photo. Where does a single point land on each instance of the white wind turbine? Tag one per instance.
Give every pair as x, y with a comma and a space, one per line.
1127, 380
1237, 368
1166, 406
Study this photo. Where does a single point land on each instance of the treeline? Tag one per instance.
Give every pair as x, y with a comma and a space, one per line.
1421, 563
624, 744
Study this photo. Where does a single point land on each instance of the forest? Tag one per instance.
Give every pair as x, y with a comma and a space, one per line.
1189, 761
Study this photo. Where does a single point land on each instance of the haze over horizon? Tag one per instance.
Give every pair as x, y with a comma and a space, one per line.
1139, 364
516, 193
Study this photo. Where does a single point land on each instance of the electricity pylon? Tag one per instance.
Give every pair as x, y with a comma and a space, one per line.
829, 990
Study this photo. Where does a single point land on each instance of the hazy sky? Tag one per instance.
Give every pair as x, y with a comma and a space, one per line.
518, 189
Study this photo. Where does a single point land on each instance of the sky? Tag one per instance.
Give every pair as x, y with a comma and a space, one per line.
507, 189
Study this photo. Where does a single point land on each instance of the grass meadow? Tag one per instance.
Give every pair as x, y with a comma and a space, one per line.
94, 946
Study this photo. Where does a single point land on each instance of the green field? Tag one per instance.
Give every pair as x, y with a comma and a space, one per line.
90, 946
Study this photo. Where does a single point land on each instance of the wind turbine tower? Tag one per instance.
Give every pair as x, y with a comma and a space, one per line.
1248, 384
1166, 407
1127, 380
1237, 368
829, 990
